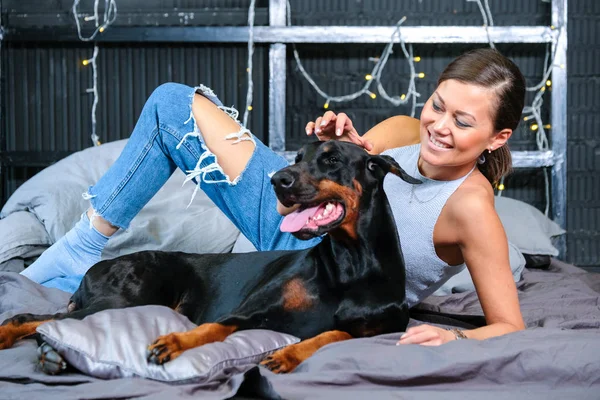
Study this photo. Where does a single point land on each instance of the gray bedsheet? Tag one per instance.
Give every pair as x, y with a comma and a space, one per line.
557, 357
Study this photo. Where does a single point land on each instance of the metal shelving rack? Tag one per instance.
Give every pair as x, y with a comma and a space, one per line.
278, 36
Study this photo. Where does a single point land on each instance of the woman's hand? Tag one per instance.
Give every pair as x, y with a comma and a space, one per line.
426, 335
336, 127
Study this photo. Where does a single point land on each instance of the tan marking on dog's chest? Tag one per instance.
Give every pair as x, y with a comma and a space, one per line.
296, 296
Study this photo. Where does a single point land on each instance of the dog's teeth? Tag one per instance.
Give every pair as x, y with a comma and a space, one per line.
319, 217
329, 207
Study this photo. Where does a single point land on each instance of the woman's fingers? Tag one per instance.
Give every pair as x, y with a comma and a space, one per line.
332, 126
425, 335
310, 128
418, 338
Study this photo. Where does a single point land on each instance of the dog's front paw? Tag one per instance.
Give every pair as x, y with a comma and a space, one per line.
282, 361
49, 360
164, 349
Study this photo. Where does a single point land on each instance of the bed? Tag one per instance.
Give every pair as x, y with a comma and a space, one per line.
558, 355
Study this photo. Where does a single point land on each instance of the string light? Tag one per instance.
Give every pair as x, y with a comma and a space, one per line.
373, 77
250, 90
110, 14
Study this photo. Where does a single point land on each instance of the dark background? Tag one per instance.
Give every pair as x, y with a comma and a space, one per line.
45, 110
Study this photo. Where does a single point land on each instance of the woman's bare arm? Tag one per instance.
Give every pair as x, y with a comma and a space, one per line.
484, 247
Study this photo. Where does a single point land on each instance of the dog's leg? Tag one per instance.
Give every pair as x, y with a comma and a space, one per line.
169, 347
23, 325
288, 358
16, 328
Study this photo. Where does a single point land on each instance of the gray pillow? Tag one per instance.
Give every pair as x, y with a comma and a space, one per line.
527, 227
112, 344
22, 235
165, 223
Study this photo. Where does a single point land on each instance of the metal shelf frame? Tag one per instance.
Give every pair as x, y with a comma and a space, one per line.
278, 35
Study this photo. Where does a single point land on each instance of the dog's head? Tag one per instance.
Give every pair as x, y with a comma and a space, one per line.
332, 181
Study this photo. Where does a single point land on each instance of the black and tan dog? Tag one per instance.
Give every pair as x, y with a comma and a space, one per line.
352, 284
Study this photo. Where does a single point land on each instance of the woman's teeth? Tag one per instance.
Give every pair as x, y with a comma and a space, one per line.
438, 144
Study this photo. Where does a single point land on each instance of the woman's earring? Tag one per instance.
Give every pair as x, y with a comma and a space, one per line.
490, 150
481, 159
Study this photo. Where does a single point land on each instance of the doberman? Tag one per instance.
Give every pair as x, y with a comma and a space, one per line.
352, 284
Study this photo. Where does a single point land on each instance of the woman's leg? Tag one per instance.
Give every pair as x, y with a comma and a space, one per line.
190, 129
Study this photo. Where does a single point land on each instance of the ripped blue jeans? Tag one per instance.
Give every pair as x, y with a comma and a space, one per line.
166, 137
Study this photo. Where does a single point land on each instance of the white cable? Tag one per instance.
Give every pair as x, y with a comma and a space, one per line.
375, 74
110, 14
250, 90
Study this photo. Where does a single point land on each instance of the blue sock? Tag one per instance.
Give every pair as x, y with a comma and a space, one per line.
72, 255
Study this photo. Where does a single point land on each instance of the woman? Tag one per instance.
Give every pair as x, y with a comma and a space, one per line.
457, 148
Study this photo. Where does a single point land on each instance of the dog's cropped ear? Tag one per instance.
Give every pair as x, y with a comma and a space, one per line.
387, 164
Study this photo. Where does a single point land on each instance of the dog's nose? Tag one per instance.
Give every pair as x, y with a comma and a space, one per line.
282, 179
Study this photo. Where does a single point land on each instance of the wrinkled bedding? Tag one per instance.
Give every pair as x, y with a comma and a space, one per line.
558, 356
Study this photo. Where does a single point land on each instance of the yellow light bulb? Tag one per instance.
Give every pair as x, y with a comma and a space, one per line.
373, 95
402, 97
543, 89
501, 187
247, 69
552, 27
417, 59
526, 118
101, 29
534, 127
368, 77
547, 126
85, 62
548, 82
326, 105
421, 75
249, 108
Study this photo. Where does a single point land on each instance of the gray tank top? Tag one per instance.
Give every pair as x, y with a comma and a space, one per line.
416, 209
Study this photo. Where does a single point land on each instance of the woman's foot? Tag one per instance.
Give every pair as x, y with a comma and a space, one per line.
72, 255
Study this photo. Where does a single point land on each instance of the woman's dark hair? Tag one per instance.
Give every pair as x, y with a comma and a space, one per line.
488, 68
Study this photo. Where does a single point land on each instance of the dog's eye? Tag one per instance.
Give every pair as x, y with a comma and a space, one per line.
298, 158
332, 160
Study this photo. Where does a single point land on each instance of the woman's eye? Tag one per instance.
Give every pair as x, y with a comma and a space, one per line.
435, 106
462, 125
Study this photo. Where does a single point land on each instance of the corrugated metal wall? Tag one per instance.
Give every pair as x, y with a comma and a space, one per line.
583, 200
47, 108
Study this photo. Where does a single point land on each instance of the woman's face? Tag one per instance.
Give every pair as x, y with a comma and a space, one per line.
456, 127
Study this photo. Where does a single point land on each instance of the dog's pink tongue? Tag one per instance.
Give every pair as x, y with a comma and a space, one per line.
294, 221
